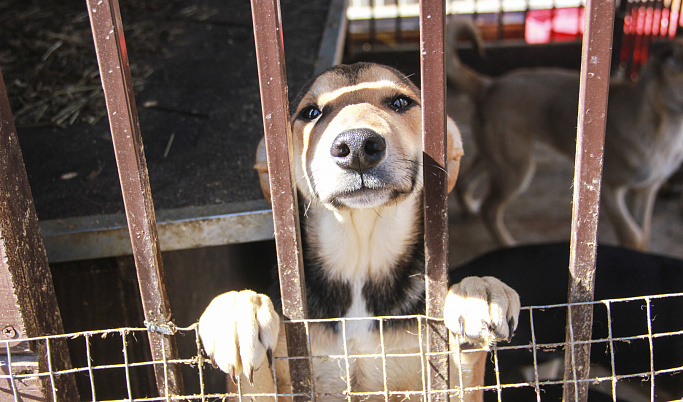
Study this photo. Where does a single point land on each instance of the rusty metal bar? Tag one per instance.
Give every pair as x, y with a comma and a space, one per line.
275, 107
28, 304
112, 57
432, 37
594, 89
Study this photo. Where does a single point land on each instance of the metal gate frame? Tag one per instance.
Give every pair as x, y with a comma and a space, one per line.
115, 74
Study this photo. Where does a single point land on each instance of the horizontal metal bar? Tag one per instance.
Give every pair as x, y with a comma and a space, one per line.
104, 236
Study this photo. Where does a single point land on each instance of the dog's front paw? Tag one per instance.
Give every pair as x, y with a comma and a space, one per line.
482, 310
239, 331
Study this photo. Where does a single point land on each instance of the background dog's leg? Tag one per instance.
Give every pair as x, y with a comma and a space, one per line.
468, 183
507, 181
628, 232
642, 205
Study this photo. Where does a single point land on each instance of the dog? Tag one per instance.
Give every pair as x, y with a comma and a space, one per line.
643, 141
357, 148
539, 274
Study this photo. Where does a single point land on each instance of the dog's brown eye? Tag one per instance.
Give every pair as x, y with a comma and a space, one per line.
401, 102
310, 113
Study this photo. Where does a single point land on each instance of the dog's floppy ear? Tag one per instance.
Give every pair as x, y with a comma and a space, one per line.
261, 167
455, 152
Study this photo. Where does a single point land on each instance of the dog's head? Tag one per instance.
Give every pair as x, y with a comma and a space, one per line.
357, 134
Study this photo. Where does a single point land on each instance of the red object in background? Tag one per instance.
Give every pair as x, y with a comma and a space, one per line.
553, 25
645, 22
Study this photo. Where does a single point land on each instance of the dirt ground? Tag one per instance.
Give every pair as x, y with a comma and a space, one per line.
197, 93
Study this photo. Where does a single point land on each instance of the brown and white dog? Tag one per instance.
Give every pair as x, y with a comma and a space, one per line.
643, 142
358, 168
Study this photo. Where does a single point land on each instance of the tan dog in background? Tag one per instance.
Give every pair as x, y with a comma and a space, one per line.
357, 134
643, 143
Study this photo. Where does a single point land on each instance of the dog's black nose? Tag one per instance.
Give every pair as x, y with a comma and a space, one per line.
358, 149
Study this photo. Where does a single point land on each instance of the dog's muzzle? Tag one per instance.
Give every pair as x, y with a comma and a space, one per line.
358, 149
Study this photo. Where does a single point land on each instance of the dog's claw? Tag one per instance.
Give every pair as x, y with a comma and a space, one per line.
512, 325
481, 310
237, 340
250, 375
231, 373
269, 356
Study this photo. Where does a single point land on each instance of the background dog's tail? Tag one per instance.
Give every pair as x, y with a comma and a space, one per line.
460, 76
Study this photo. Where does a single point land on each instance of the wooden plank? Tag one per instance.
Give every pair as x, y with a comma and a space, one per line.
28, 305
593, 92
275, 107
112, 56
432, 38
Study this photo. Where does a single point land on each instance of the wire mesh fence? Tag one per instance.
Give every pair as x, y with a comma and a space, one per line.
634, 356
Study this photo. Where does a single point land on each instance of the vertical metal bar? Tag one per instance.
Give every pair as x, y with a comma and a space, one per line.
625, 59
651, 347
398, 26
126, 365
112, 57
534, 351
553, 15
610, 336
37, 393
275, 107
28, 304
91, 375
432, 38
373, 22
673, 17
50, 369
594, 88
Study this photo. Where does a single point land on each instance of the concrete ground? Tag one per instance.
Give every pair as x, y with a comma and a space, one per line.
543, 212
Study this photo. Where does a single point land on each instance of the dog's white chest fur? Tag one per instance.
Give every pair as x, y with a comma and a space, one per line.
366, 373
361, 244
358, 309
359, 353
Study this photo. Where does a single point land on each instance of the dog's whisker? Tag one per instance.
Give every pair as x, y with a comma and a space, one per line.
436, 165
308, 206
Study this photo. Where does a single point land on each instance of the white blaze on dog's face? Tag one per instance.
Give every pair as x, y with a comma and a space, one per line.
357, 138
